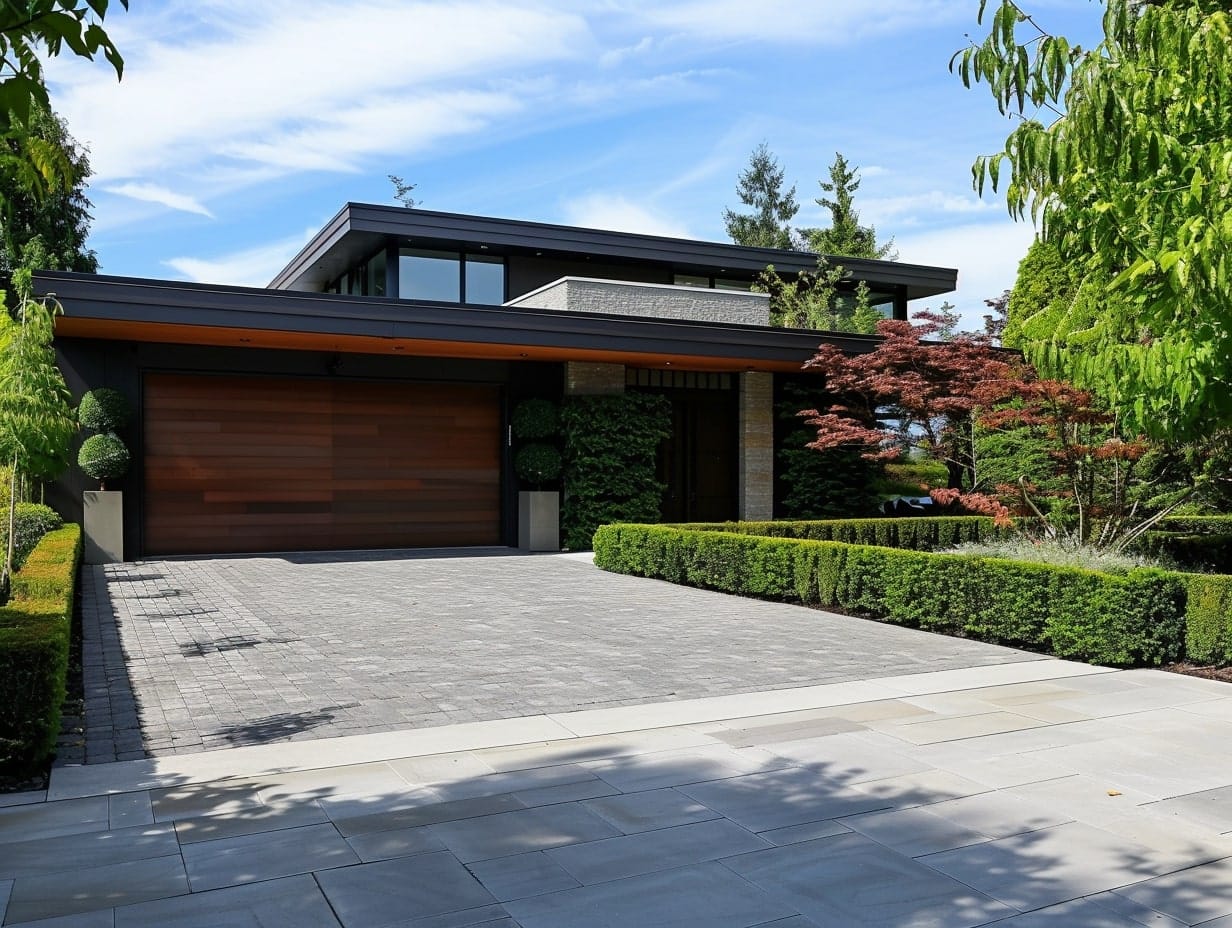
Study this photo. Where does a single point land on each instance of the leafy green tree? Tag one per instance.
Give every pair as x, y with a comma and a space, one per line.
36, 416
30, 32
59, 218
761, 187
1123, 156
845, 238
815, 300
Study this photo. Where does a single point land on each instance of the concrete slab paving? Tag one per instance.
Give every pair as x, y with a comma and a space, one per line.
483, 825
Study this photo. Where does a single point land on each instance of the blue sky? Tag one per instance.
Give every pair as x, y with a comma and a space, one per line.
240, 128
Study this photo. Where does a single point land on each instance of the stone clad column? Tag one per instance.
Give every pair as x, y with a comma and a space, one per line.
756, 451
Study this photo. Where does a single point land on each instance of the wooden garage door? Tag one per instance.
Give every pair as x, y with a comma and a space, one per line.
271, 464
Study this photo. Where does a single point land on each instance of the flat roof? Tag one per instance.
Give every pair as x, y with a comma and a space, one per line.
360, 229
135, 309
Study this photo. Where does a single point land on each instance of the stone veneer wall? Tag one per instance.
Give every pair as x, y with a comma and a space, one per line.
756, 484
588, 378
655, 301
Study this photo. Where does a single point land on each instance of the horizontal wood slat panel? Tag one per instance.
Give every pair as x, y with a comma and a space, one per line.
242, 464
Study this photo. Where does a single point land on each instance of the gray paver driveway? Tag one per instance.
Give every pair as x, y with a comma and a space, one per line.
190, 655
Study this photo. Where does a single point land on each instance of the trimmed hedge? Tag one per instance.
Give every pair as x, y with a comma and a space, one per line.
926, 533
1120, 620
1208, 615
34, 641
31, 521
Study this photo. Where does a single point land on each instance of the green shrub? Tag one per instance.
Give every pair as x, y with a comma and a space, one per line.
103, 457
103, 410
1120, 620
535, 418
31, 521
34, 641
928, 533
537, 463
1208, 618
611, 444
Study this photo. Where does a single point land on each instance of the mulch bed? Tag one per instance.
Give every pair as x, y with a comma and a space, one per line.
1223, 674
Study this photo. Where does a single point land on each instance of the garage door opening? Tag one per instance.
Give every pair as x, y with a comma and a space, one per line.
251, 464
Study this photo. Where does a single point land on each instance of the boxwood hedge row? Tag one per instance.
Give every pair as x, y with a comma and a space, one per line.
34, 641
1138, 618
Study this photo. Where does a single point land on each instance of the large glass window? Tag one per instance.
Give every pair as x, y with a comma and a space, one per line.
429, 275
375, 272
485, 280
691, 280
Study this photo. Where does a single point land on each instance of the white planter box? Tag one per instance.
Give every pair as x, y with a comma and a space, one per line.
539, 520
103, 526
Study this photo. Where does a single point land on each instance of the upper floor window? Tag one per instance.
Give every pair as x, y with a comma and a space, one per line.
450, 277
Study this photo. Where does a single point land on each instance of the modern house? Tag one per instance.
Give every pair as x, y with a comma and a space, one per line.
362, 399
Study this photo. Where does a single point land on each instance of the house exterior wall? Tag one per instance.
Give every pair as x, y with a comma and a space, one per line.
655, 301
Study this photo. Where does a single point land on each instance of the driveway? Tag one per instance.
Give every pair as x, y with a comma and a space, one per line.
188, 655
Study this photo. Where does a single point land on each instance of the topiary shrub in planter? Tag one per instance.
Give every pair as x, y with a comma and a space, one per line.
537, 463
103, 457
535, 422
103, 410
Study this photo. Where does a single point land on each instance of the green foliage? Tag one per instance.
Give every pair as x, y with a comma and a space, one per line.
911, 478
818, 484
927, 533
822, 300
1004, 455
31, 521
537, 463
845, 238
536, 418
103, 457
761, 187
31, 32
1208, 614
611, 443
1130, 183
1132, 619
103, 410
36, 419
50, 218
34, 640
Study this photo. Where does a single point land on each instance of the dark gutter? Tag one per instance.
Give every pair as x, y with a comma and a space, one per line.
90, 296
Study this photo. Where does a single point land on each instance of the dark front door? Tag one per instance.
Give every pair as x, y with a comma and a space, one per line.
699, 463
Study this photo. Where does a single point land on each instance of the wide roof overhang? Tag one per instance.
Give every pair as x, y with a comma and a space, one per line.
132, 309
359, 230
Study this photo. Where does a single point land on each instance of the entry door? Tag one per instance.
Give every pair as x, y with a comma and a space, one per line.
699, 462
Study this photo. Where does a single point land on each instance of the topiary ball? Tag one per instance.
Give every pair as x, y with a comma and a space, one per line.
103, 410
103, 457
537, 418
537, 463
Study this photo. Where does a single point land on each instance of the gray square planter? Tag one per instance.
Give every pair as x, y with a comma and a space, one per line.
103, 526
539, 520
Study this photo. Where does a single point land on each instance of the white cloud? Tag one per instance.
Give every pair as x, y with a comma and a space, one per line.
918, 208
251, 267
618, 213
819, 22
309, 85
986, 255
152, 193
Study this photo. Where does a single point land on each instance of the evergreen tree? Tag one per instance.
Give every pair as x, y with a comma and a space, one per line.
845, 238
761, 187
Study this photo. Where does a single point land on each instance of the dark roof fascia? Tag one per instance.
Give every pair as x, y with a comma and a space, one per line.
121, 299
919, 280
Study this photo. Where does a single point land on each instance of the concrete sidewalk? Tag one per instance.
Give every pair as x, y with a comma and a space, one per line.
1024, 794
